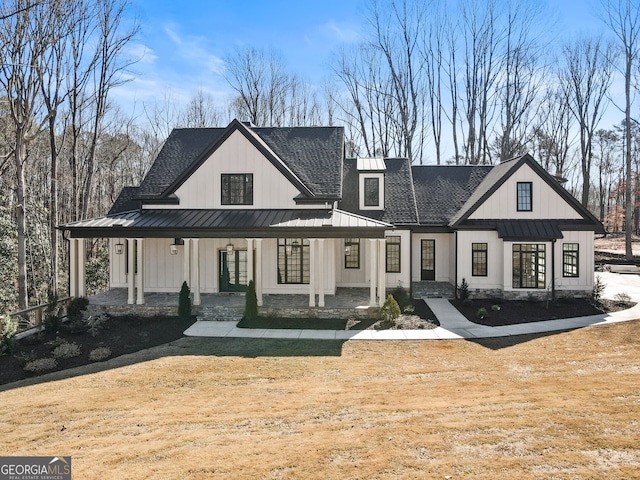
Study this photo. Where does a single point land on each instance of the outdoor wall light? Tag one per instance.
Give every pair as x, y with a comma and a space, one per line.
119, 248
347, 250
173, 248
229, 248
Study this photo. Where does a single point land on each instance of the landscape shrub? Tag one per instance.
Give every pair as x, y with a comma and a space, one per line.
402, 297
390, 310
8, 330
481, 313
41, 365
184, 301
622, 298
66, 350
99, 354
76, 306
463, 291
495, 307
52, 314
251, 302
597, 292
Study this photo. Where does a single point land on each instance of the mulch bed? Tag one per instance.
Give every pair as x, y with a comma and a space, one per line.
123, 334
523, 311
421, 317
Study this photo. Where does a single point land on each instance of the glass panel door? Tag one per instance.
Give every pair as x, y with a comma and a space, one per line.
428, 260
233, 271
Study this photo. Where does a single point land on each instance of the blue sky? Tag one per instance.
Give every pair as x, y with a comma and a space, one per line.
181, 45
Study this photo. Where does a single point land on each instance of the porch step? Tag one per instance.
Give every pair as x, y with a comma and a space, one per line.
221, 313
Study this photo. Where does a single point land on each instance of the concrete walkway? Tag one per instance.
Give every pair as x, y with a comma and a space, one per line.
453, 325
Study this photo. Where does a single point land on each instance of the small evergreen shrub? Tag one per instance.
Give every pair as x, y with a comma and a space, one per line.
99, 354
41, 365
463, 291
251, 302
390, 310
402, 297
184, 301
8, 331
481, 313
597, 292
495, 308
66, 350
76, 306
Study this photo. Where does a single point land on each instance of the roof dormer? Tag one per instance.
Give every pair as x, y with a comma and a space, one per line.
371, 183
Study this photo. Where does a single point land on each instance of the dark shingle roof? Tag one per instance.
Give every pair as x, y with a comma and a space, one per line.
125, 201
442, 190
181, 149
314, 155
399, 201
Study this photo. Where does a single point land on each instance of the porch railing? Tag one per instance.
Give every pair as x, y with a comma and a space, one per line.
33, 317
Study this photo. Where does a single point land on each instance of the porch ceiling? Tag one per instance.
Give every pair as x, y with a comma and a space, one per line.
170, 223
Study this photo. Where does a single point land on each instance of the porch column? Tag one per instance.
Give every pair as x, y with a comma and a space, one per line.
382, 278
73, 267
186, 261
82, 261
312, 272
373, 272
196, 271
139, 273
258, 280
131, 299
321, 272
249, 260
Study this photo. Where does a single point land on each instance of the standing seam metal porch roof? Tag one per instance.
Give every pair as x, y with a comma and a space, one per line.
213, 223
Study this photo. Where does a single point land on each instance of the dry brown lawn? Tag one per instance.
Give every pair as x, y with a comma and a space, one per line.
562, 406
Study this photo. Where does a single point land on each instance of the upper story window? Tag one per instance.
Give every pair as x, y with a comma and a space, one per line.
524, 196
372, 192
237, 189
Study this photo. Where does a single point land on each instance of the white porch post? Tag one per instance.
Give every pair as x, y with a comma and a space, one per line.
82, 260
196, 272
131, 299
139, 273
382, 278
186, 261
373, 272
73, 267
312, 272
249, 260
321, 272
258, 280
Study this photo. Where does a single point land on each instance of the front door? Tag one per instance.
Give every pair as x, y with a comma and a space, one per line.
428, 260
233, 271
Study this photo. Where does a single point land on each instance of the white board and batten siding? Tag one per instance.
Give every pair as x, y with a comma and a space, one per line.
496, 258
445, 258
546, 202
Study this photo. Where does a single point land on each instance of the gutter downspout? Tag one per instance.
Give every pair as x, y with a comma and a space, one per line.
553, 268
455, 275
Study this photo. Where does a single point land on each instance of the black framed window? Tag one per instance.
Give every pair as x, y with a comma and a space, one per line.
393, 255
525, 198
570, 256
529, 265
352, 253
293, 260
372, 192
237, 189
479, 259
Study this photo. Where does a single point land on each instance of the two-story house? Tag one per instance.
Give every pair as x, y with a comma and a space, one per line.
284, 207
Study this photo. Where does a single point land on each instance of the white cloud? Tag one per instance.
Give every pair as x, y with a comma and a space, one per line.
141, 53
194, 50
340, 32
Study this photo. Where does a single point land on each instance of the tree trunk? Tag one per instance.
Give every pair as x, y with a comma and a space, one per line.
19, 156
